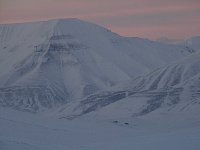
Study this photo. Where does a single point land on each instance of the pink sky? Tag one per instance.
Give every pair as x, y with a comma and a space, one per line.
144, 18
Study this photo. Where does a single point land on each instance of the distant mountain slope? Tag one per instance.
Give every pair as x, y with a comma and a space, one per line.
47, 64
192, 43
172, 89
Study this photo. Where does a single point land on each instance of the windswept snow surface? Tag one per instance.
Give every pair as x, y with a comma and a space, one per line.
22, 131
47, 64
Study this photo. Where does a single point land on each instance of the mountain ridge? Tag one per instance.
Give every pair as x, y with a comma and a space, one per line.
71, 59
173, 89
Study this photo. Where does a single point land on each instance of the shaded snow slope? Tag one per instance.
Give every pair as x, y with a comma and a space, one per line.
48, 64
192, 43
173, 89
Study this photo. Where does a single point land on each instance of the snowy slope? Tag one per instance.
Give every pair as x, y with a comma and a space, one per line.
170, 91
191, 43
25, 131
174, 89
47, 64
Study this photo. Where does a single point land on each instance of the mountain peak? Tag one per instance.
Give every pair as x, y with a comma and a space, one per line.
65, 19
71, 59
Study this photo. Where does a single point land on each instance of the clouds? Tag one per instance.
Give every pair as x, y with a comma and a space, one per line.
145, 18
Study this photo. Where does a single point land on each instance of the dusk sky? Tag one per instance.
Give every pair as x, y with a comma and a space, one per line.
152, 19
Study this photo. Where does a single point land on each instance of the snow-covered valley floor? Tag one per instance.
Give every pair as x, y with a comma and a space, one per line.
25, 131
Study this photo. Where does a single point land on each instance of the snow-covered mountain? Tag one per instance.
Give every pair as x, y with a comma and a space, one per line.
167, 40
47, 64
171, 89
191, 43
116, 92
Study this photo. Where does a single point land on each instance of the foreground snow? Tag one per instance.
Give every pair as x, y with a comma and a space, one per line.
23, 131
